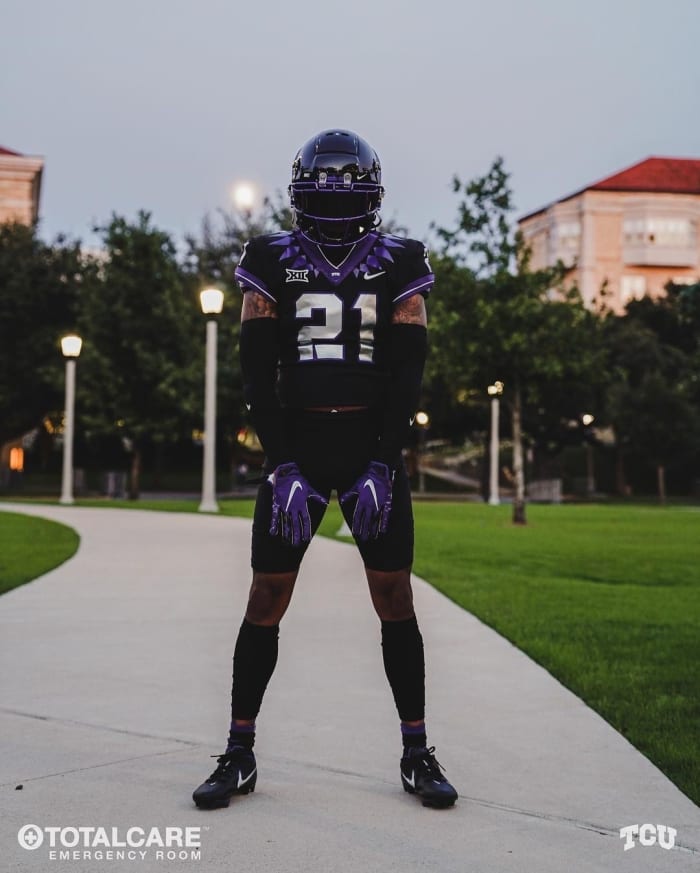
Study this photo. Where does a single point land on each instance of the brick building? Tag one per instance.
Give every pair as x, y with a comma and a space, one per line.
20, 186
20, 189
634, 231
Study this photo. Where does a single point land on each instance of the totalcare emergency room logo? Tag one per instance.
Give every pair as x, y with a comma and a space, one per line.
96, 843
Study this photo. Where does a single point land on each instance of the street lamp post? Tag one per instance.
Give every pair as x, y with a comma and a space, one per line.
423, 421
495, 392
587, 420
70, 347
212, 302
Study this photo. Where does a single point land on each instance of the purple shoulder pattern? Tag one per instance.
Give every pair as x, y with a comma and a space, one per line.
292, 251
379, 254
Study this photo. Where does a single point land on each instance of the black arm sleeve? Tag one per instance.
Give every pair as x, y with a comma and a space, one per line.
407, 350
259, 356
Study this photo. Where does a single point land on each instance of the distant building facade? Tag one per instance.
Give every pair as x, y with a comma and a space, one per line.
20, 186
633, 231
20, 190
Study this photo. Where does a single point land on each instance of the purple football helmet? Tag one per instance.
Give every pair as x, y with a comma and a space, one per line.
336, 188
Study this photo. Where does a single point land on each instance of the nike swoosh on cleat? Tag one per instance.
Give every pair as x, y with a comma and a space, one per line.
412, 780
369, 276
242, 782
370, 484
296, 485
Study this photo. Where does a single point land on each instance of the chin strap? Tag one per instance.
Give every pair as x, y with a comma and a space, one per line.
374, 220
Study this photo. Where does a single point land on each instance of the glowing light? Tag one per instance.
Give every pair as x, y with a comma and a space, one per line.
495, 389
244, 196
422, 419
17, 459
211, 300
71, 345
587, 419
248, 438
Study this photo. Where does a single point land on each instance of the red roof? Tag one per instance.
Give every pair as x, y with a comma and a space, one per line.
659, 175
4, 151
663, 175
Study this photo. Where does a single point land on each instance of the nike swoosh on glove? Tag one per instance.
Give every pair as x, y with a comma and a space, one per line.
373, 493
291, 493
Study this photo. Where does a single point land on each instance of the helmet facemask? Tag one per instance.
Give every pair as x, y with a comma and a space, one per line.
336, 194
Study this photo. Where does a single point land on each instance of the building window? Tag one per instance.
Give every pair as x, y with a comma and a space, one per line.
679, 232
632, 288
568, 235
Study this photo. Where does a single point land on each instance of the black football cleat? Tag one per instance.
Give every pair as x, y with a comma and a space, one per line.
421, 774
236, 773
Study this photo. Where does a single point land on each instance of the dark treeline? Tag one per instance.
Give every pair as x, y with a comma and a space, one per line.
624, 387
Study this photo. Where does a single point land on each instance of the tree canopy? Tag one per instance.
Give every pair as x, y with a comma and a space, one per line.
521, 327
492, 318
40, 285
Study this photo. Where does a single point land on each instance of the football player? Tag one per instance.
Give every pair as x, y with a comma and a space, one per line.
332, 348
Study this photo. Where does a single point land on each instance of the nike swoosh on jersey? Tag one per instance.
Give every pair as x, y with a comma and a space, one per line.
296, 486
370, 484
369, 276
242, 782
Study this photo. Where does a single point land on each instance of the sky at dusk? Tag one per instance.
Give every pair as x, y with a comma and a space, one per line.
163, 104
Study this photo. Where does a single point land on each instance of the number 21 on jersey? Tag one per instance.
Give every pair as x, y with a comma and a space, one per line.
318, 341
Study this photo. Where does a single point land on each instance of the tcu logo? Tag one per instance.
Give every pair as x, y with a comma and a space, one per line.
648, 835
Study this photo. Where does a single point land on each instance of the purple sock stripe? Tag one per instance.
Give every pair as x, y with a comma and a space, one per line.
243, 728
412, 729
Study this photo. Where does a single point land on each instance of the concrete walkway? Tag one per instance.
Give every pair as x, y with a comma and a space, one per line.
115, 690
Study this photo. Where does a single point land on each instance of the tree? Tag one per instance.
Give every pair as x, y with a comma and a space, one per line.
137, 320
39, 289
658, 419
654, 389
212, 257
524, 329
450, 371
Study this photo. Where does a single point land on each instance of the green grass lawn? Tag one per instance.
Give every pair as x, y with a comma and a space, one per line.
607, 598
30, 547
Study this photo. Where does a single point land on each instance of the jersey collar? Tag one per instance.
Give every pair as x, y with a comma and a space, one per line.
336, 275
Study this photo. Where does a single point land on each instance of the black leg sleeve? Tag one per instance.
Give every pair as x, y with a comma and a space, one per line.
254, 662
404, 663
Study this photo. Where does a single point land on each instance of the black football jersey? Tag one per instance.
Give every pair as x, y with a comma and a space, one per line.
333, 320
